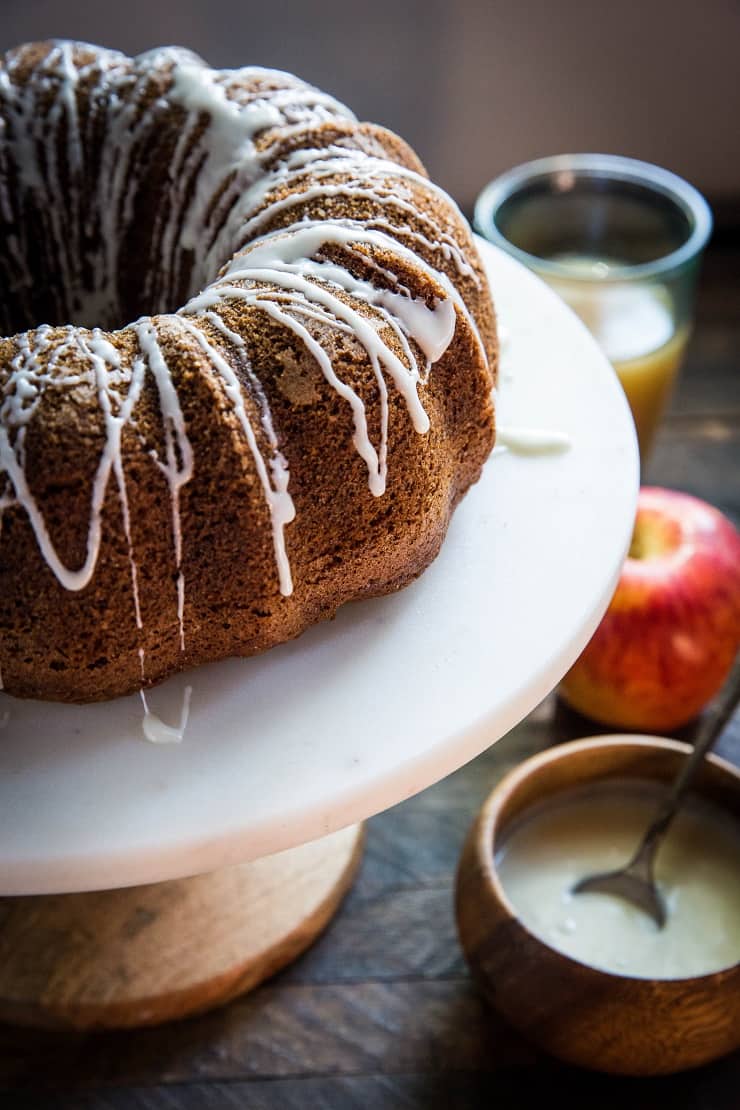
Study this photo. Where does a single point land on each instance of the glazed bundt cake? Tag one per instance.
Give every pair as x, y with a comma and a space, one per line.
302, 399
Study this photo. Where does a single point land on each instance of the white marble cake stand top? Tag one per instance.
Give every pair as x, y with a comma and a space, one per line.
363, 711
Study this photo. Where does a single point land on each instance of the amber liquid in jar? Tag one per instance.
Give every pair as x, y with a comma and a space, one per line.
634, 324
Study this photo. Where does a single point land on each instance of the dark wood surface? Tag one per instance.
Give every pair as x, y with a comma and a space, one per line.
381, 1013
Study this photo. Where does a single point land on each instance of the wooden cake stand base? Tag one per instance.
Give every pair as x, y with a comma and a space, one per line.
148, 954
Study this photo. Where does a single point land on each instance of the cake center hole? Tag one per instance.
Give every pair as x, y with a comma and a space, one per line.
102, 243
96, 271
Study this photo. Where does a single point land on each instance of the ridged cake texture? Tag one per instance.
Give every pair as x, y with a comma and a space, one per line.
249, 368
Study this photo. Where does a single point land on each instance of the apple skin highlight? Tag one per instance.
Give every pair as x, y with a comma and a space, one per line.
672, 629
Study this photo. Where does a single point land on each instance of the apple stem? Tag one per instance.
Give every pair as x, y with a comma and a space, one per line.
654, 535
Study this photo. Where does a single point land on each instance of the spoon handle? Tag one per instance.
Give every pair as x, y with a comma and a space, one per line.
711, 728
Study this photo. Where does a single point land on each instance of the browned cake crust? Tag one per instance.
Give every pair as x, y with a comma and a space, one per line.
141, 183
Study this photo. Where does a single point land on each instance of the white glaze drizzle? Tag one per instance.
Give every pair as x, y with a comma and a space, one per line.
224, 191
154, 728
11, 460
371, 183
98, 348
275, 475
177, 466
532, 441
288, 261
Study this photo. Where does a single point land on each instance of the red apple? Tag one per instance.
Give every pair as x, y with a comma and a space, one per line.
672, 629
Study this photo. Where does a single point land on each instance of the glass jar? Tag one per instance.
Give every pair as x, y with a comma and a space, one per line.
620, 241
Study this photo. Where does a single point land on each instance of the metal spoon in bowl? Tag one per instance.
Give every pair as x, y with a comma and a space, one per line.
635, 882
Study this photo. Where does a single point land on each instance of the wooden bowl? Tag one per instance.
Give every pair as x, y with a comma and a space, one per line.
592, 1018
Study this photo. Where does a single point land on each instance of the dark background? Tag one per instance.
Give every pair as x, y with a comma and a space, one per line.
474, 85
381, 1013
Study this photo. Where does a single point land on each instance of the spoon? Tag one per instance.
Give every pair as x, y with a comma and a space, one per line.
635, 882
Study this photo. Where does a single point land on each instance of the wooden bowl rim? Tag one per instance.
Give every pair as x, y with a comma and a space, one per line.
490, 811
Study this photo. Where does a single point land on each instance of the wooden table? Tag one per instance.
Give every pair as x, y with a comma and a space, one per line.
381, 1013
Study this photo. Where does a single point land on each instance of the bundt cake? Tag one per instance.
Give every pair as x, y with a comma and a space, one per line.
303, 397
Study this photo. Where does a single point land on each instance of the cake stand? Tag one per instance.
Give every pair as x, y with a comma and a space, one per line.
285, 753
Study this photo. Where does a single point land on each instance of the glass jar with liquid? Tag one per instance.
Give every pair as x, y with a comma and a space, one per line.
620, 241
